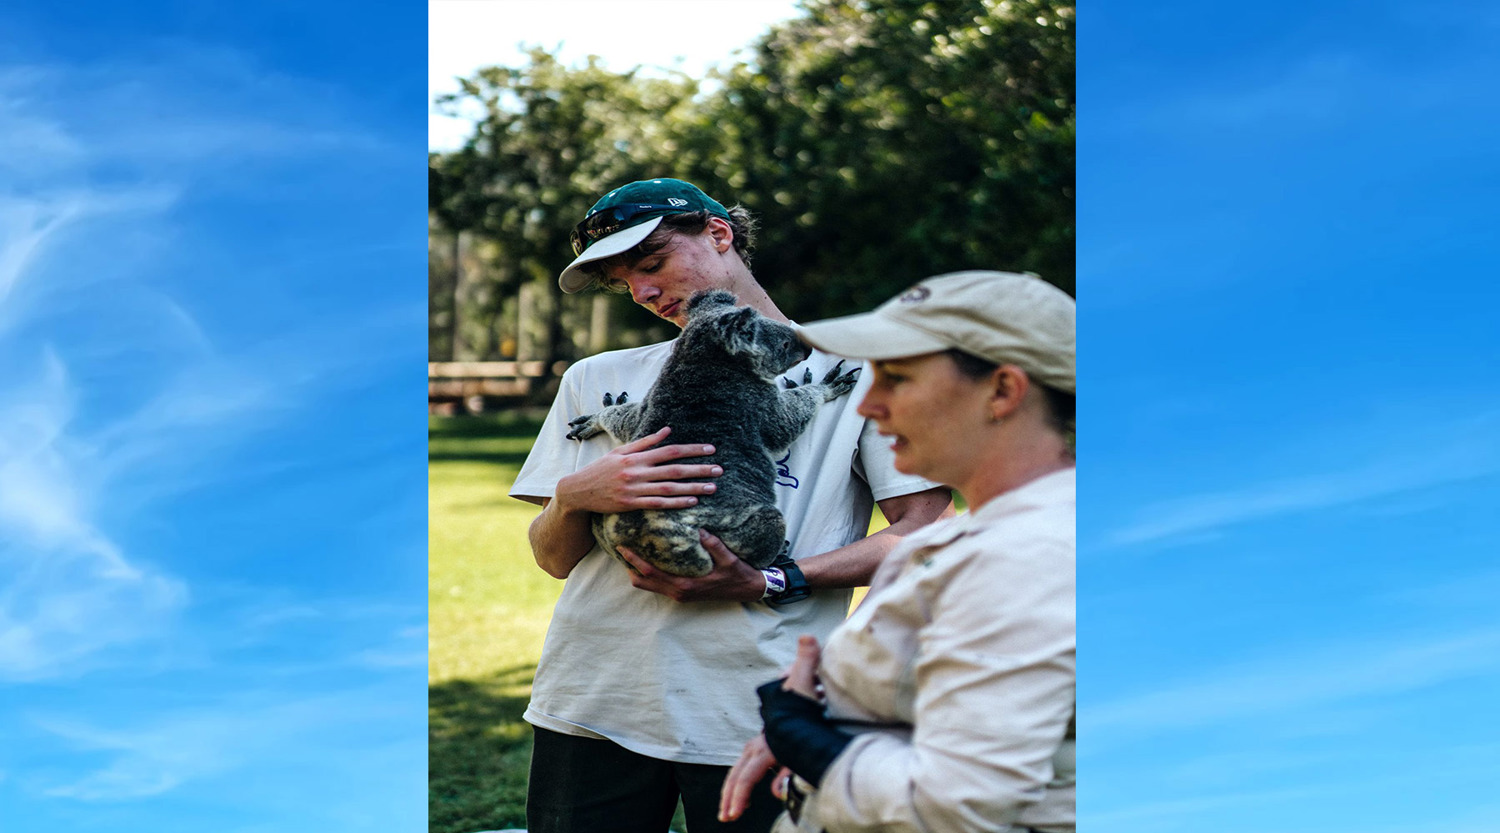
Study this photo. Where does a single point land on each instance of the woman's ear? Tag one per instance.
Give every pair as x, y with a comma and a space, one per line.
1009, 385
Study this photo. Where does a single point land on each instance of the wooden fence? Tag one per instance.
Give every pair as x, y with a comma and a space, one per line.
479, 386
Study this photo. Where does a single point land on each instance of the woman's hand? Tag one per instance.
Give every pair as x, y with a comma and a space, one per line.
797, 730
755, 763
802, 677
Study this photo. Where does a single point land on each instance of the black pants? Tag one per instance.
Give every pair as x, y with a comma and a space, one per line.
586, 785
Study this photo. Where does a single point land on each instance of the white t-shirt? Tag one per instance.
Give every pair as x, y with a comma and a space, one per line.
675, 680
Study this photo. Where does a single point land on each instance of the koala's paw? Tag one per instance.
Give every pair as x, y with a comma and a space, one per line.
836, 385
806, 380
584, 427
616, 400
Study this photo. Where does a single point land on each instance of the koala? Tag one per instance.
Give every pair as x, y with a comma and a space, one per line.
718, 387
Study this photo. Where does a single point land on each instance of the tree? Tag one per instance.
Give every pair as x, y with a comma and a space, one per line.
888, 140
551, 141
879, 141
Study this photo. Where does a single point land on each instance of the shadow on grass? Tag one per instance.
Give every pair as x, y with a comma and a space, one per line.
500, 439
479, 752
503, 458
485, 425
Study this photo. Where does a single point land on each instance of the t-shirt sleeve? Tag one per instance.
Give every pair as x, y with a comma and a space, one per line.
554, 456
876, 463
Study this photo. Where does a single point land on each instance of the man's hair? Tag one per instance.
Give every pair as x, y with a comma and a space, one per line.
1062, 407
740, 222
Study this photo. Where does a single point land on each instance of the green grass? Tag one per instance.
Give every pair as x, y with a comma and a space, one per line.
488, 608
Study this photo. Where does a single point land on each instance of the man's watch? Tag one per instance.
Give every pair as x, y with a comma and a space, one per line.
785, 583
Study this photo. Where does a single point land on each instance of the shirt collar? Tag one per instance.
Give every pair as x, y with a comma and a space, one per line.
1046, 490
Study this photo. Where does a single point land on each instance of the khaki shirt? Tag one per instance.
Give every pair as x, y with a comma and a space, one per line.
958, 671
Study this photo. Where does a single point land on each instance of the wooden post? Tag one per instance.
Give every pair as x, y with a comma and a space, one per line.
458, 272
525, 329
599, 324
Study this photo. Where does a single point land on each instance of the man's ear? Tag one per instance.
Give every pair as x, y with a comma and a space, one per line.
721, 232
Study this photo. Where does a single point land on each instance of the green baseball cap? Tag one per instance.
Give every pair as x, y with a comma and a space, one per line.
626, 216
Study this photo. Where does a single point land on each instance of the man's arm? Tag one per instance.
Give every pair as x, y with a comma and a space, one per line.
732, 580
635, 475
854, 565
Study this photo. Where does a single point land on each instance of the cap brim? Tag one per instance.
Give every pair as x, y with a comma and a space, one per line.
871, 336
573, 279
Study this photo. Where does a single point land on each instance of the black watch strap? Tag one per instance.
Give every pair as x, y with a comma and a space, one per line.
796, 588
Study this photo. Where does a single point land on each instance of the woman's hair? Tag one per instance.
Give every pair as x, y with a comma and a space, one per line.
741, 223
1062, 407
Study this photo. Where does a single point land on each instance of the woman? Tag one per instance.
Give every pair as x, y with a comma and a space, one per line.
945, 702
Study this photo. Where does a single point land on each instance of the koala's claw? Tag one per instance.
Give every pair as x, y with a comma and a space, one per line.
837, 384
583, 427
806, 380
610, 399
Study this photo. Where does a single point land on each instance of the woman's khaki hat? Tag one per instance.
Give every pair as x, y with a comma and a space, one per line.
1004, 317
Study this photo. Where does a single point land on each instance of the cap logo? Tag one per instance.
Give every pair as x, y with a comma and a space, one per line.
915, 294
677, 202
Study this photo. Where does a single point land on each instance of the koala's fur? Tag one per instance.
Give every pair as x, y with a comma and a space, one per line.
718, 387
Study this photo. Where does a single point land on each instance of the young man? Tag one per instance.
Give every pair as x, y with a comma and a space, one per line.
645, 689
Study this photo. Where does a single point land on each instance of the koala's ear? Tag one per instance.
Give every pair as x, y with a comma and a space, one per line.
739, 330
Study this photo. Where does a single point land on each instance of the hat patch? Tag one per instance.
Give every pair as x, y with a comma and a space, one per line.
674, 201
915, 294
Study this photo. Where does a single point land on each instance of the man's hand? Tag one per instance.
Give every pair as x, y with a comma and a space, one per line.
730, 580
639, 475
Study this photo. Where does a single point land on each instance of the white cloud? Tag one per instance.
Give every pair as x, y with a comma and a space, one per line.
71, 591
154, 754
1332, 673
1452, 452
82, 324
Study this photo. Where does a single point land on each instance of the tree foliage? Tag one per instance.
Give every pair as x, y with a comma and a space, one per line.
878, 141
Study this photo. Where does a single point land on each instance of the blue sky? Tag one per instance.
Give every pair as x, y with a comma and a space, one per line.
212, 475
1291, 449
212, 448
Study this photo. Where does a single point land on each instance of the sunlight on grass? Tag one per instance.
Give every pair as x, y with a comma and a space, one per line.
488, 608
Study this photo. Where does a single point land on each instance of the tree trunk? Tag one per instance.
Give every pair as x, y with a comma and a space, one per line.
458, 271
599, 324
